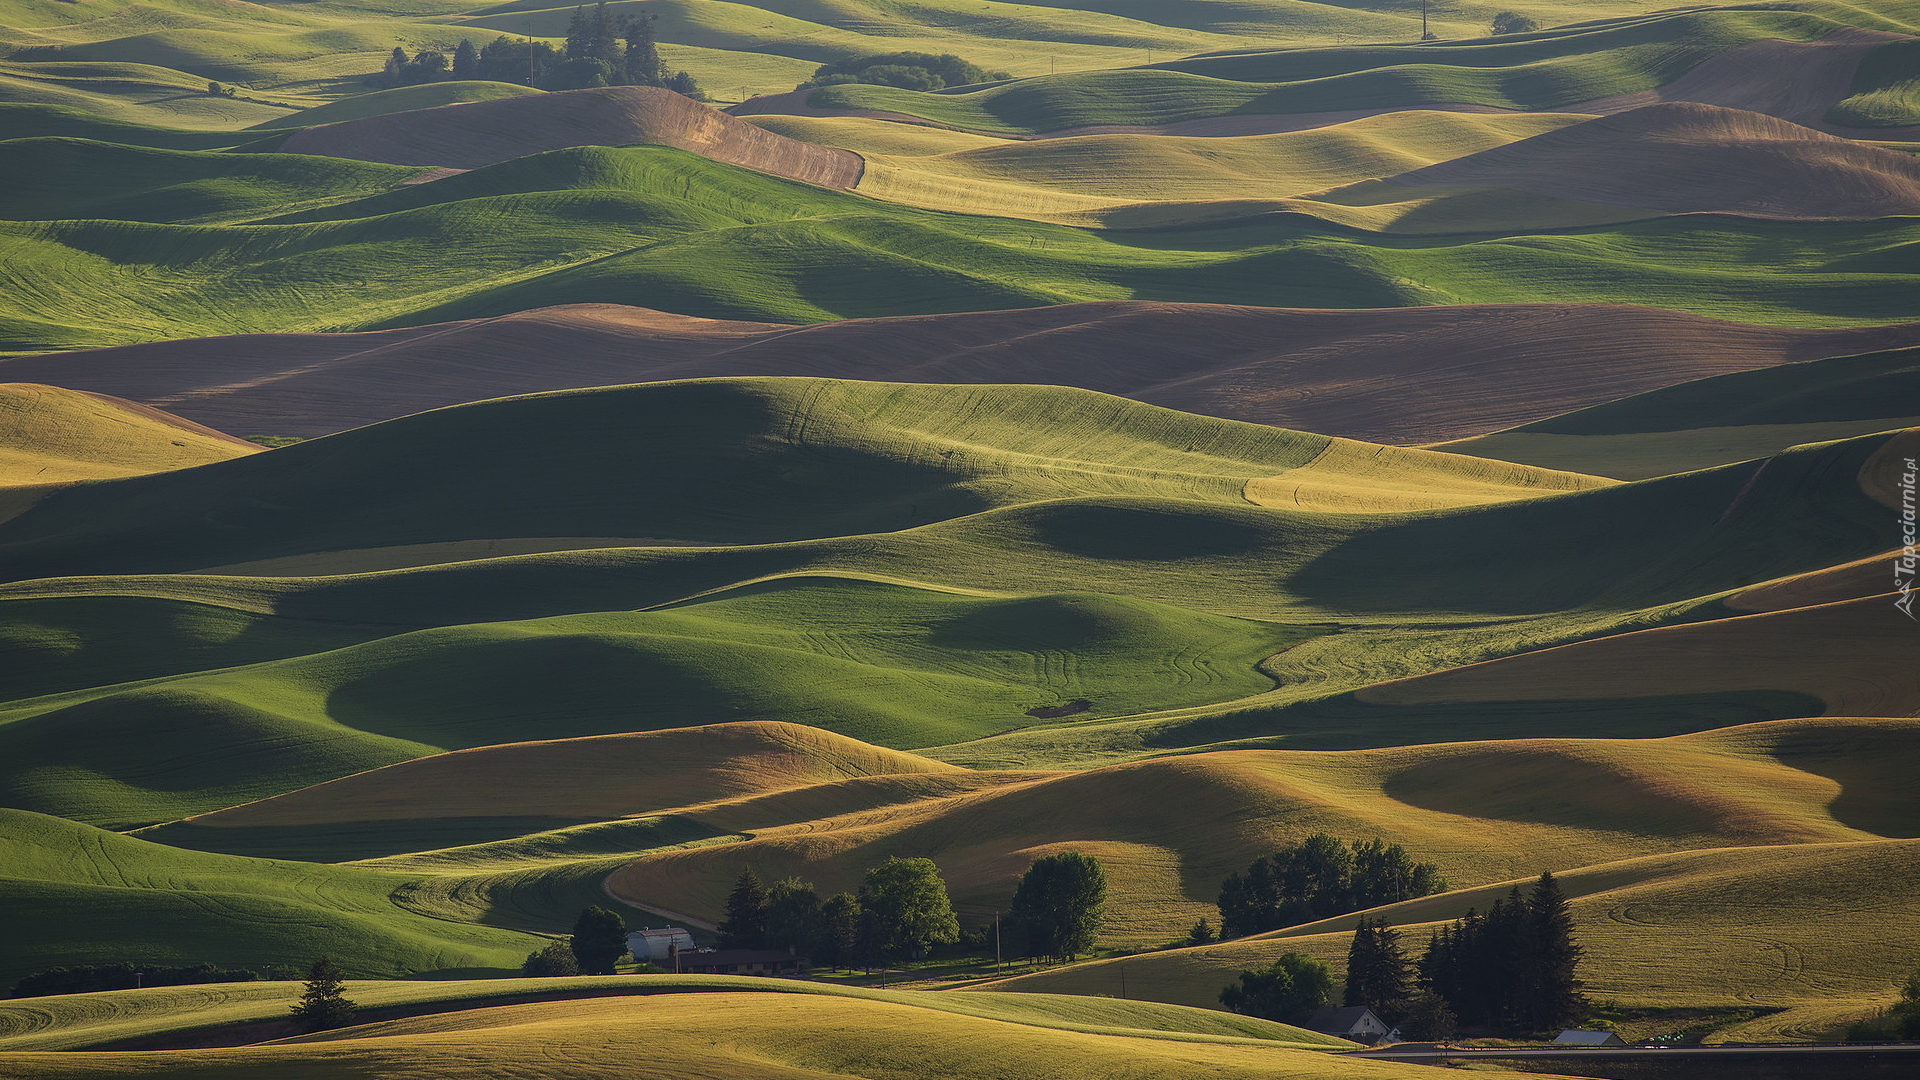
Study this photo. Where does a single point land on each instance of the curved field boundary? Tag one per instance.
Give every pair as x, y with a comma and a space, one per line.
473, 134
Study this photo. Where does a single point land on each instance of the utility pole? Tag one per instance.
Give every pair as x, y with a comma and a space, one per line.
1424, 35
529, 60
1123, 980
996, 943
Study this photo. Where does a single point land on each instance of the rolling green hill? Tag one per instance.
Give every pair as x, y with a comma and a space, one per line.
633, 226
913, 565
321, 51
47, 178
999, 577
1548, 70
155, 904
1886, 89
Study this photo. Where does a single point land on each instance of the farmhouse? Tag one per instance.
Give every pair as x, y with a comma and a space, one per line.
737, 962
658, 945
1356, 1022
1577, 1037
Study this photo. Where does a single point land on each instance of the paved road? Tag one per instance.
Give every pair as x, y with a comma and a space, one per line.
1434, 1054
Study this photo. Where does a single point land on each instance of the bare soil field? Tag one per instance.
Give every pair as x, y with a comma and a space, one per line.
1684, 157
1401, 375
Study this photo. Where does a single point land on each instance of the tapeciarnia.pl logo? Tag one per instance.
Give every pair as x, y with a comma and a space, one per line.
1903, 564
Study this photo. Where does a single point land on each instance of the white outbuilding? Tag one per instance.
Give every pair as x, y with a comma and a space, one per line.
658, 945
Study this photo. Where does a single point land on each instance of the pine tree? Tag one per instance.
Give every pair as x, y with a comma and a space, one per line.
599, 940
1553, 992
1512, 968
1498, 961
466, 60
324, 1004
603, 38
745, 926
641, 66
578, 35
1377, 971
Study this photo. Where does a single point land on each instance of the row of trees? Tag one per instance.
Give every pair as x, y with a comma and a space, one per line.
902, 909
88, 978
1513, 967
1510, 970
1318, 878
600, 51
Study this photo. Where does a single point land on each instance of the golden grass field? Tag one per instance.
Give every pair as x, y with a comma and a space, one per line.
78, 1021
1355, 477
721, 1035
53, 436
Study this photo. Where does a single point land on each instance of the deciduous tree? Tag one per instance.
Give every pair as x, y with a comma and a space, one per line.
1317, 878
905, 904
792, 916
1288, 990
599, 940
551, 962
1512, 22
1060, 905
839, 936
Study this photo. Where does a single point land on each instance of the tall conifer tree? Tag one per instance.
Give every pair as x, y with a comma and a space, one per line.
1377, 970
642, 66
1554, 999
745, 926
